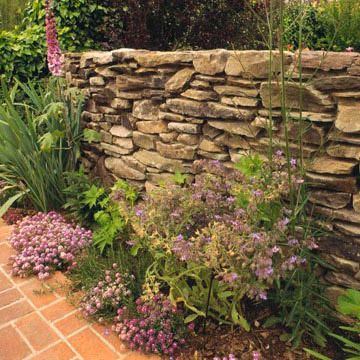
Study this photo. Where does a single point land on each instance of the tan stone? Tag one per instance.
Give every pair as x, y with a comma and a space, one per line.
336, 135
107, 110
264, 123
210, 62
344, 151
236, 91
347, 228
209, 146
106, 72
210, 132
348, 118
125, 143
184, 128
103, 58
347, 94
249, 83
199, 95
145, 110
106, 137
87, 58
97, 81
343, 183
121, 169
180, 80
120, 104
254, 64
311, 133
199, 84
210, 79
152, 127
211, 109
175, 151
240, 101
236, 128
342, 264
120, 131
169, 137
158, 58
305, 115
188, 139
345, 215
343, 280
155, 160
356, 202
214, 156
88, 116
128, 82
114, 150
342, 82
330, 199
332, 293
313, 100
232, 141
145, 141
326, 60
328, 165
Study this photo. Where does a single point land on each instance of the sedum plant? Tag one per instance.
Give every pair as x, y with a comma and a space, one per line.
225, 237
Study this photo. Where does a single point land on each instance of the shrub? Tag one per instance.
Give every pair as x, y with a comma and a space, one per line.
44, 243
39, 141
225, 237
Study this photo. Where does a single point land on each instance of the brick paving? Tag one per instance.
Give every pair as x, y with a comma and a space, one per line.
38, 322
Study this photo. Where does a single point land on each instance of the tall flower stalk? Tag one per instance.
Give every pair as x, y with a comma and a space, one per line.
54, 54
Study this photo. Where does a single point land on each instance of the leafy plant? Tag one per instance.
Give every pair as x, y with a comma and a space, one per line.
40, 137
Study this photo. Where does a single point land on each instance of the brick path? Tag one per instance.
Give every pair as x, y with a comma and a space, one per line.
37, 322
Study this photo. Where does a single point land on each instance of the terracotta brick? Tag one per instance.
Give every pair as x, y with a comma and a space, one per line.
9, 296
71, 323
90, 346
37, 331
5, 252
5, 233
38, 293
139, 356
14, 311
12, 347
57, 352
4, 282
57, 310
106, 333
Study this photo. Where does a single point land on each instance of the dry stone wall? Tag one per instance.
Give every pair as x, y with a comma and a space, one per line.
160, 111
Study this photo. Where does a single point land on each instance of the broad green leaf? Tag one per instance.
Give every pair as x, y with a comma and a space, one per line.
5, 207
190, 318
316, 354
92, 136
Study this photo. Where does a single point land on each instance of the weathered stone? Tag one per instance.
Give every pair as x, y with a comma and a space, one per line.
125, 143
212, 110
348, 118
116, 119
106, 72
341, 82
170, 116
236, 91
214, 156
232, 141
106, 137
121, 131
332, 293
210, 62
121, 169
144, 141
356, 202
103, 58
336, 135
328, 165
97, 81
235, 127
88, 116
210, 79
310, 133
107, 110
264, 123
249, 83
152, 127
188, 139
326, 60
240, 101
145, 110
305, 115
210, 132
347, 228
339, 183
199, 84
88, 57
344, 265
175, 151
200, 95
344, 151
346, 94
236, 155
127, 82
330, 199
120, 104
184, 128
346, 215
130, 161
157, 58
130, 95
169, 137
343, 280
113, 149
209, 146
180, 80
313, 100
153, 159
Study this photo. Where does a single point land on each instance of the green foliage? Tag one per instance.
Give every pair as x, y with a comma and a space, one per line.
349, 303
302, 306
10, 13
39, 139
250, 165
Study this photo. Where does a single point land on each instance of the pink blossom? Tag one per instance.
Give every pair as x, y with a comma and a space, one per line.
54, 54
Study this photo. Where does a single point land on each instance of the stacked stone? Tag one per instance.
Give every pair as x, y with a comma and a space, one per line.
158, 112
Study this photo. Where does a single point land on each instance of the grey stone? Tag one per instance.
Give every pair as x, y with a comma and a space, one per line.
146, 110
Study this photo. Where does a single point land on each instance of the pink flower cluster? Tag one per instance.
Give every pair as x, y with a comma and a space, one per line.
158, 327
108, 295
45, 242
229, 357
54, 55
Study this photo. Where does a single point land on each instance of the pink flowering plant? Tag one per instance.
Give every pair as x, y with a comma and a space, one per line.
227, 236
46, 242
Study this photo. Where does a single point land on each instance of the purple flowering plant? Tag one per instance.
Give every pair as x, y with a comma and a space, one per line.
227, 236
46, 242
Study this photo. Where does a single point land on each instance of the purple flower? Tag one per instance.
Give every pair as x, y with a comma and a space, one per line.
231, 277
293, 163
